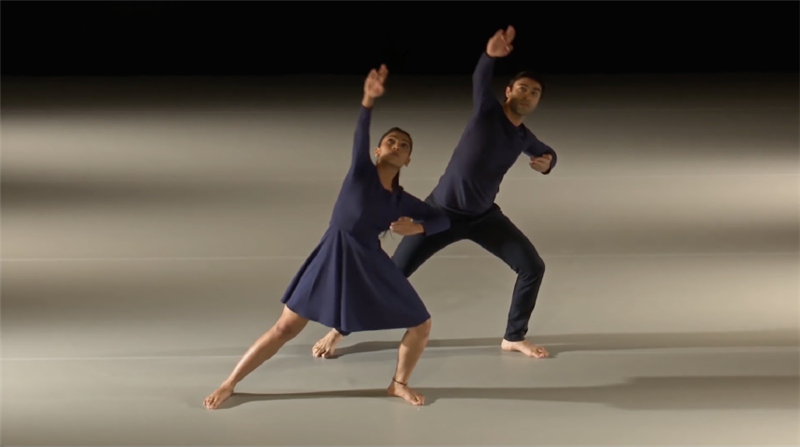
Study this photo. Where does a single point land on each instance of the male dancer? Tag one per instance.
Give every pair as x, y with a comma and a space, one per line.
492, 141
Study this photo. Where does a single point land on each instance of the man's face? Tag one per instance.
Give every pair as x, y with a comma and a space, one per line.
523, 96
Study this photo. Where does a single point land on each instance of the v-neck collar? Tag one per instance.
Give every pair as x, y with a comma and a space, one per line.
518, 132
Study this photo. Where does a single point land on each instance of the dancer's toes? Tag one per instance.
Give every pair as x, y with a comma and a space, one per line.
218, 397
525, 348
406, 393
326, 346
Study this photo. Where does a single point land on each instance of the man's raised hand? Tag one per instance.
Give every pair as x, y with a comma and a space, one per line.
500, 44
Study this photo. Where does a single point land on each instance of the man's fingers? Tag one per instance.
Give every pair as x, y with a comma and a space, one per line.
510, 33
400, 230
539, 163
402, 225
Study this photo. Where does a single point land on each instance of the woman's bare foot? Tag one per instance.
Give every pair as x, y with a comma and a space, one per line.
402, 391
326, 346
525, 348
217, 397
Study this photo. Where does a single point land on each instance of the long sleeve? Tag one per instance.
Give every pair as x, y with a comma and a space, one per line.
361, 160
482, 96
432, 220
537, 149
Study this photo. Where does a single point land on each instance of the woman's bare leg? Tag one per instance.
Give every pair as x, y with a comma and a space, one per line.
286, 328
409, 352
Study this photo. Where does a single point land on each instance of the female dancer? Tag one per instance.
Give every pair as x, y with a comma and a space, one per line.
348, 282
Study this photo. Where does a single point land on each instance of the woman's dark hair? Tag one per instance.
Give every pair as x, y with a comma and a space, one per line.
396, 180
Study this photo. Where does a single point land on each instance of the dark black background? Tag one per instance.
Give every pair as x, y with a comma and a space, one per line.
266, 38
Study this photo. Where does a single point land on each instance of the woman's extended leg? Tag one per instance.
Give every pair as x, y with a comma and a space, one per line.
286, 328
409, 352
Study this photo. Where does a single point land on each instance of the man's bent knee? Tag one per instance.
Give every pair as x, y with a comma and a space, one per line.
533, 269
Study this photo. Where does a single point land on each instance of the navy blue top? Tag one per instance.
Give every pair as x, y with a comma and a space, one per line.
364, 208
489, 146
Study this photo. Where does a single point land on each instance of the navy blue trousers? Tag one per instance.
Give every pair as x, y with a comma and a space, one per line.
496, 233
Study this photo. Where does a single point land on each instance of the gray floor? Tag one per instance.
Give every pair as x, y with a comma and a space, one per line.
149, 228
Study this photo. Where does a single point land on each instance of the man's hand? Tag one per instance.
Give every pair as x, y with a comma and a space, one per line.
373, 86
500, 44
541, 164
405, 226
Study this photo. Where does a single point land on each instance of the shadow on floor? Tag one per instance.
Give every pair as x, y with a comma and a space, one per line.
556, 344
641, 393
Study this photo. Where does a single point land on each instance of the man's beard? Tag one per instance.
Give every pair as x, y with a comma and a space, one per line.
518, 108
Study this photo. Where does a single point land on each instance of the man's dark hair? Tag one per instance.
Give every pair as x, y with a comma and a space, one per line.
529, 74
397, 129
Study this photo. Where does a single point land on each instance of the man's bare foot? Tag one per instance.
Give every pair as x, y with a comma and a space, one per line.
326, 346
525, 348
407, 394
217, 397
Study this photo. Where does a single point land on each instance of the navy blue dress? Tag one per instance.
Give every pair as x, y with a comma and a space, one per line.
348, 282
